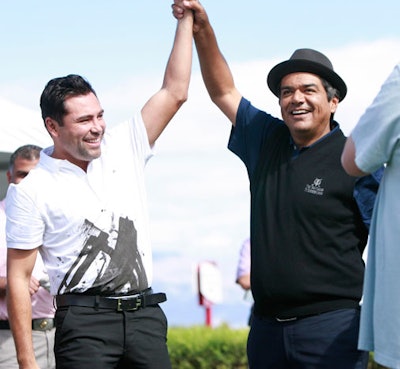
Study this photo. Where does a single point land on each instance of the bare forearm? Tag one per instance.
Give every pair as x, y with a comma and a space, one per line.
162, 106
20, 264
349, 161
244, 281
20, 317
216, 73
214, 68
178, 70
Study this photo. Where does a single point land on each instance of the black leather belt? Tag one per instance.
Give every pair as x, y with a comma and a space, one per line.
123, 303
44, 324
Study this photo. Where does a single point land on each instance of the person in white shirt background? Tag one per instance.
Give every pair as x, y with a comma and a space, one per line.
22, 161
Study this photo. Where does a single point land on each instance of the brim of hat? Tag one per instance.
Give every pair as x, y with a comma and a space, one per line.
299, 65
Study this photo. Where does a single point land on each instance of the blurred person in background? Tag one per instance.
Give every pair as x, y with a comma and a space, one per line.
243, 273
21, 162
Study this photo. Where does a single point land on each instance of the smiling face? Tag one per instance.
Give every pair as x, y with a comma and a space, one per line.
305, 107
78, 139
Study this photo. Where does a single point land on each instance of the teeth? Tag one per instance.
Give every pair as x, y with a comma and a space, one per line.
299, 112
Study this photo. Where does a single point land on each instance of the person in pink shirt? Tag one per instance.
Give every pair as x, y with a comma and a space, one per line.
243, 267
243, 273
22, 161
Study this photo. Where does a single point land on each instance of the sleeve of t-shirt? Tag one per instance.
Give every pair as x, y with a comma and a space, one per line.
131, 133
23, 221
378, 131
140, 137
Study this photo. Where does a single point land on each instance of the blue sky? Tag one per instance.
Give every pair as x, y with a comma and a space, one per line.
197, 190
106, 41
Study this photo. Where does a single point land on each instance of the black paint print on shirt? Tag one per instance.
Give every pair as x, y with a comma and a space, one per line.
108, 264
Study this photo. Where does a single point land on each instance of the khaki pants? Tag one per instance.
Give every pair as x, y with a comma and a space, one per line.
43, 344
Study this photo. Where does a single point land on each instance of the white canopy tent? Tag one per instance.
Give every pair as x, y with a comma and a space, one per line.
18, 126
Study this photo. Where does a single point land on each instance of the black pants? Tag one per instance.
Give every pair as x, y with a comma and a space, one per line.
325, 341
87, 338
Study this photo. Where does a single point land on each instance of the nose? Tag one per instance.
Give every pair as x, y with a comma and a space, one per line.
97, 126
297, 97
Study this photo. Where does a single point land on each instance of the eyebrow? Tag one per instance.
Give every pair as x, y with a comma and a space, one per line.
89, 116
306, 85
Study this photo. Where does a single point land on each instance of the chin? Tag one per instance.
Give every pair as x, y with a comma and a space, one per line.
96, 155
298, 126
89, 156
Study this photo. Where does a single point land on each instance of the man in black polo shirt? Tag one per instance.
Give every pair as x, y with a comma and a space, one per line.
307, 228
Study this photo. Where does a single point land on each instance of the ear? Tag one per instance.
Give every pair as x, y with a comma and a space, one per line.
52, 126
334, 104
8, 176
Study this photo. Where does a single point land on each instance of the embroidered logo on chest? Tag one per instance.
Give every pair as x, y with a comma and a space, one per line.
315, 187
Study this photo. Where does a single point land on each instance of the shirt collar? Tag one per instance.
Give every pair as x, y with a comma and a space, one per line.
296, 151
55, 165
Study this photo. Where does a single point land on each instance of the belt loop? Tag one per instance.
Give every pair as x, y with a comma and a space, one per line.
144, 301
96, 302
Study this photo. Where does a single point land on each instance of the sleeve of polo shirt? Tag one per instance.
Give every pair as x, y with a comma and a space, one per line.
246, 138
378, 131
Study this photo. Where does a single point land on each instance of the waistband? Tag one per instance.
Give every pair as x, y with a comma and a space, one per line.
287, 319
43, 324
123, 303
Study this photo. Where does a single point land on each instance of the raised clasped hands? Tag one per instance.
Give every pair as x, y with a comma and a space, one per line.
200, 17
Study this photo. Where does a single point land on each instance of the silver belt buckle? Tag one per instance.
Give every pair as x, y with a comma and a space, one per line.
127, 305
44, 324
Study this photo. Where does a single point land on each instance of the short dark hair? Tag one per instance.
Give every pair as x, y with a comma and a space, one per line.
331, 91
57, 91
28, 152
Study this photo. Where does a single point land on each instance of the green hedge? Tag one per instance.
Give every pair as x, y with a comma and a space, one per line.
208, 348
201, 347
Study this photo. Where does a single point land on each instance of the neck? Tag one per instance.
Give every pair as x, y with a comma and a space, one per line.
305, 140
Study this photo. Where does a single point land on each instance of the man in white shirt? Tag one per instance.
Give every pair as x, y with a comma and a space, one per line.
84, 209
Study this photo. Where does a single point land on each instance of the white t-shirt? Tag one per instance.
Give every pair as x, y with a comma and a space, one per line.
42, 301
92, 227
